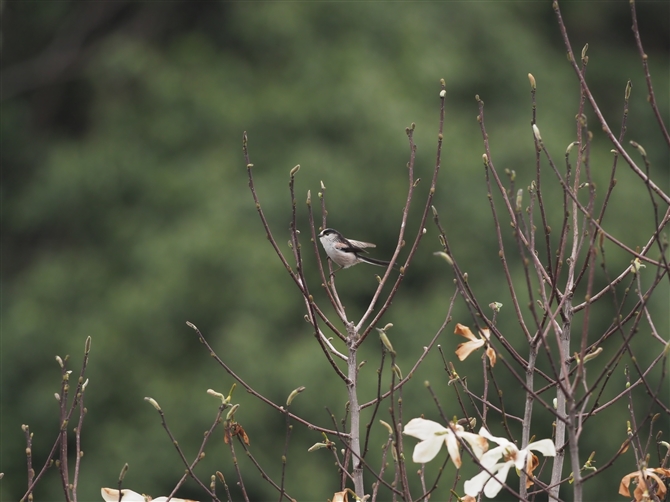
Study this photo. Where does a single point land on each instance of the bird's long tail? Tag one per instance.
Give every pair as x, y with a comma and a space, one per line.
374, 261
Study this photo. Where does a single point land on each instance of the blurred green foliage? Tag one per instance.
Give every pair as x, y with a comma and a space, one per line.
125, 208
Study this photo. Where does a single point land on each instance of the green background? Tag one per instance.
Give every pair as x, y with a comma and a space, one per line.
126, 212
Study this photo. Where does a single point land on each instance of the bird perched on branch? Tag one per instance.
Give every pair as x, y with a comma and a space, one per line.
346, 252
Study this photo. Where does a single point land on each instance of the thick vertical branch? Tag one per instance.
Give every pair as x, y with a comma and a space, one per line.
354, 410
528, 410
64, 420
565, 399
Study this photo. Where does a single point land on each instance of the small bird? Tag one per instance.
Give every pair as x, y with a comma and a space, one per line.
346, 252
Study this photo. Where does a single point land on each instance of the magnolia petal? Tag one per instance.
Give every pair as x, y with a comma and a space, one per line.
491, 354
544, 446
491, 457
495, 484
173, 499
478, 443
661, 489
625, 483
464, 331
486, 333
490, 437
340, 496
475, 485
531, 465
467, 348
641, 488
426, 450
111, 495
452, 447
641, 494
421, 428
519, 459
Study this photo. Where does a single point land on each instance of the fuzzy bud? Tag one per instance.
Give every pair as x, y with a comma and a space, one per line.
519, 200
531, 79
388, 427
496, 306
639, 148
317, 446
593, 354
536, 132
293, 395
231, 413
218, 395
153, 403
123, 472
636, 265
445, 257
385, 340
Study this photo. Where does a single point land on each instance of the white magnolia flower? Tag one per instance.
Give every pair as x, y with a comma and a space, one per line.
511, 456
111, 495
434, 435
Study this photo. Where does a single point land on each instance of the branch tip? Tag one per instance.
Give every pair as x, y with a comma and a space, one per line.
153, 403
531, 79
293, 395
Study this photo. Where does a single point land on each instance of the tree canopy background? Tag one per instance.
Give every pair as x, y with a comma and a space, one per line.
125, 208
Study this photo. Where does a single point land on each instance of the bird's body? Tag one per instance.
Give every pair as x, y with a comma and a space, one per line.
346, 252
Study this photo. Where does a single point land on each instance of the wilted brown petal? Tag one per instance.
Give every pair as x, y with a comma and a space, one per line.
464, 331
467, 348
641, 490
340, 496
491, 355
531, 464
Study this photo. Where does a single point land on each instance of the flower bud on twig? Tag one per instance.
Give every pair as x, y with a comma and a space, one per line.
385, 340
231, 413
388, 427
444, 256
293, 395
536, 132
153, 403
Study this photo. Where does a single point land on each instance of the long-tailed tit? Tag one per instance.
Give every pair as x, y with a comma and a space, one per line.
346, 252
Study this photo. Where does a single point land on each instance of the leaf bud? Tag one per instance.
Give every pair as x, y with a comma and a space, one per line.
531, 79
153, 403
293, 395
